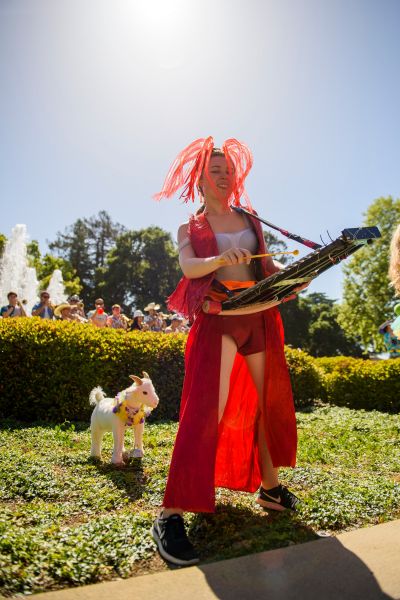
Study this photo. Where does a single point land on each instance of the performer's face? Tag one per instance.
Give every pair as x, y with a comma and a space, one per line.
219, 180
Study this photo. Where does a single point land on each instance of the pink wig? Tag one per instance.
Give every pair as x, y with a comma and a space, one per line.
190, 163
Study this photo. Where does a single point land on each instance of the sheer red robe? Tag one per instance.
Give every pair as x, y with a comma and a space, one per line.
207, 455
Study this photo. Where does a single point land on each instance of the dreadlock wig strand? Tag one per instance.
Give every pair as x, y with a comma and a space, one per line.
188, 167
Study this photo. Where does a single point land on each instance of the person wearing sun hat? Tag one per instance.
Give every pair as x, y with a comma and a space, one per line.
153, 321
63, 311
137, 323
152, 306
176, 324
78, 306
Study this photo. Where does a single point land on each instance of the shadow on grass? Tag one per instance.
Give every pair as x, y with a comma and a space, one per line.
130, 477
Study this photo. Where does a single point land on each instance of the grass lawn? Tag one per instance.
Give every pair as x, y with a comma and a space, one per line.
65, 520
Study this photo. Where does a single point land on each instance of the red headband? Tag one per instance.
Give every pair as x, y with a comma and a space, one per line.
190, 163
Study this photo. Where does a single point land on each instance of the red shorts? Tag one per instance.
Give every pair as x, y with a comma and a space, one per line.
248, 332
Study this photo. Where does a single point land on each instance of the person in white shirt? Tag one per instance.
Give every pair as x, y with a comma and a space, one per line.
98, 317
14, 307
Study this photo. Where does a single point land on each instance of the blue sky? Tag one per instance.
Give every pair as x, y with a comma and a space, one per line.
97, 97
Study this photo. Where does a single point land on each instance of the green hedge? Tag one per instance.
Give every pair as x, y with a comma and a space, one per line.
48, 368
358, 383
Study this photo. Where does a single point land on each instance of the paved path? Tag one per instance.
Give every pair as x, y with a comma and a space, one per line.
359, 565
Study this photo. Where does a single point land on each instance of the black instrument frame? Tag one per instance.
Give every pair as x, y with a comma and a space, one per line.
282, 284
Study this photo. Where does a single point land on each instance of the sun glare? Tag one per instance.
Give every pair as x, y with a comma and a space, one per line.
161, 14
162, 24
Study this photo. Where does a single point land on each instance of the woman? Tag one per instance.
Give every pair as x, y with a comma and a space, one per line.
137, 323
237, 419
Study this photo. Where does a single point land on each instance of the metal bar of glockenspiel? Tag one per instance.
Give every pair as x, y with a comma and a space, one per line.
325, 263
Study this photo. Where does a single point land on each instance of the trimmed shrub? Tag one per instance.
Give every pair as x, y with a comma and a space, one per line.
358, 383
49, 368
329, 364
305, 377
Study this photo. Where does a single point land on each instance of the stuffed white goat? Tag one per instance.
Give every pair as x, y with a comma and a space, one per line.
128, 409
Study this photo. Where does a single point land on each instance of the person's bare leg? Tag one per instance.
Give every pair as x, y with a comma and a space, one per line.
228, 353
167, 512
269, 474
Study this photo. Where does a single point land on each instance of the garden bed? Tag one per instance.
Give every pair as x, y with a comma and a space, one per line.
66, 520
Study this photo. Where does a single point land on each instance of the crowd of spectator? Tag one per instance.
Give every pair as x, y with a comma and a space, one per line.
74, 310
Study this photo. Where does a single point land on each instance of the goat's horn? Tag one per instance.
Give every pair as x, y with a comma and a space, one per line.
136, 379
146, 374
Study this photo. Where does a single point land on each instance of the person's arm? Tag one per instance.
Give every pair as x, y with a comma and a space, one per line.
23, 313
194, 267
38, 311
8, 312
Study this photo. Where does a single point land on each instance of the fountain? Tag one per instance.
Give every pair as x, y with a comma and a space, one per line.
15, 274
56, 288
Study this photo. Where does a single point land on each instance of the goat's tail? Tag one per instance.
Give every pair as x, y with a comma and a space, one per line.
96, 395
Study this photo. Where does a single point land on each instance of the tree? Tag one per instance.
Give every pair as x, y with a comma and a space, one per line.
3, 241
296, 317
85, 245
103, 234
141, 268
311, 324
326, 337
46, 265
274, 244
368, 299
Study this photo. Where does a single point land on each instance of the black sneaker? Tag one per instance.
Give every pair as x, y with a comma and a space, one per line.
277, 498
173, 544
